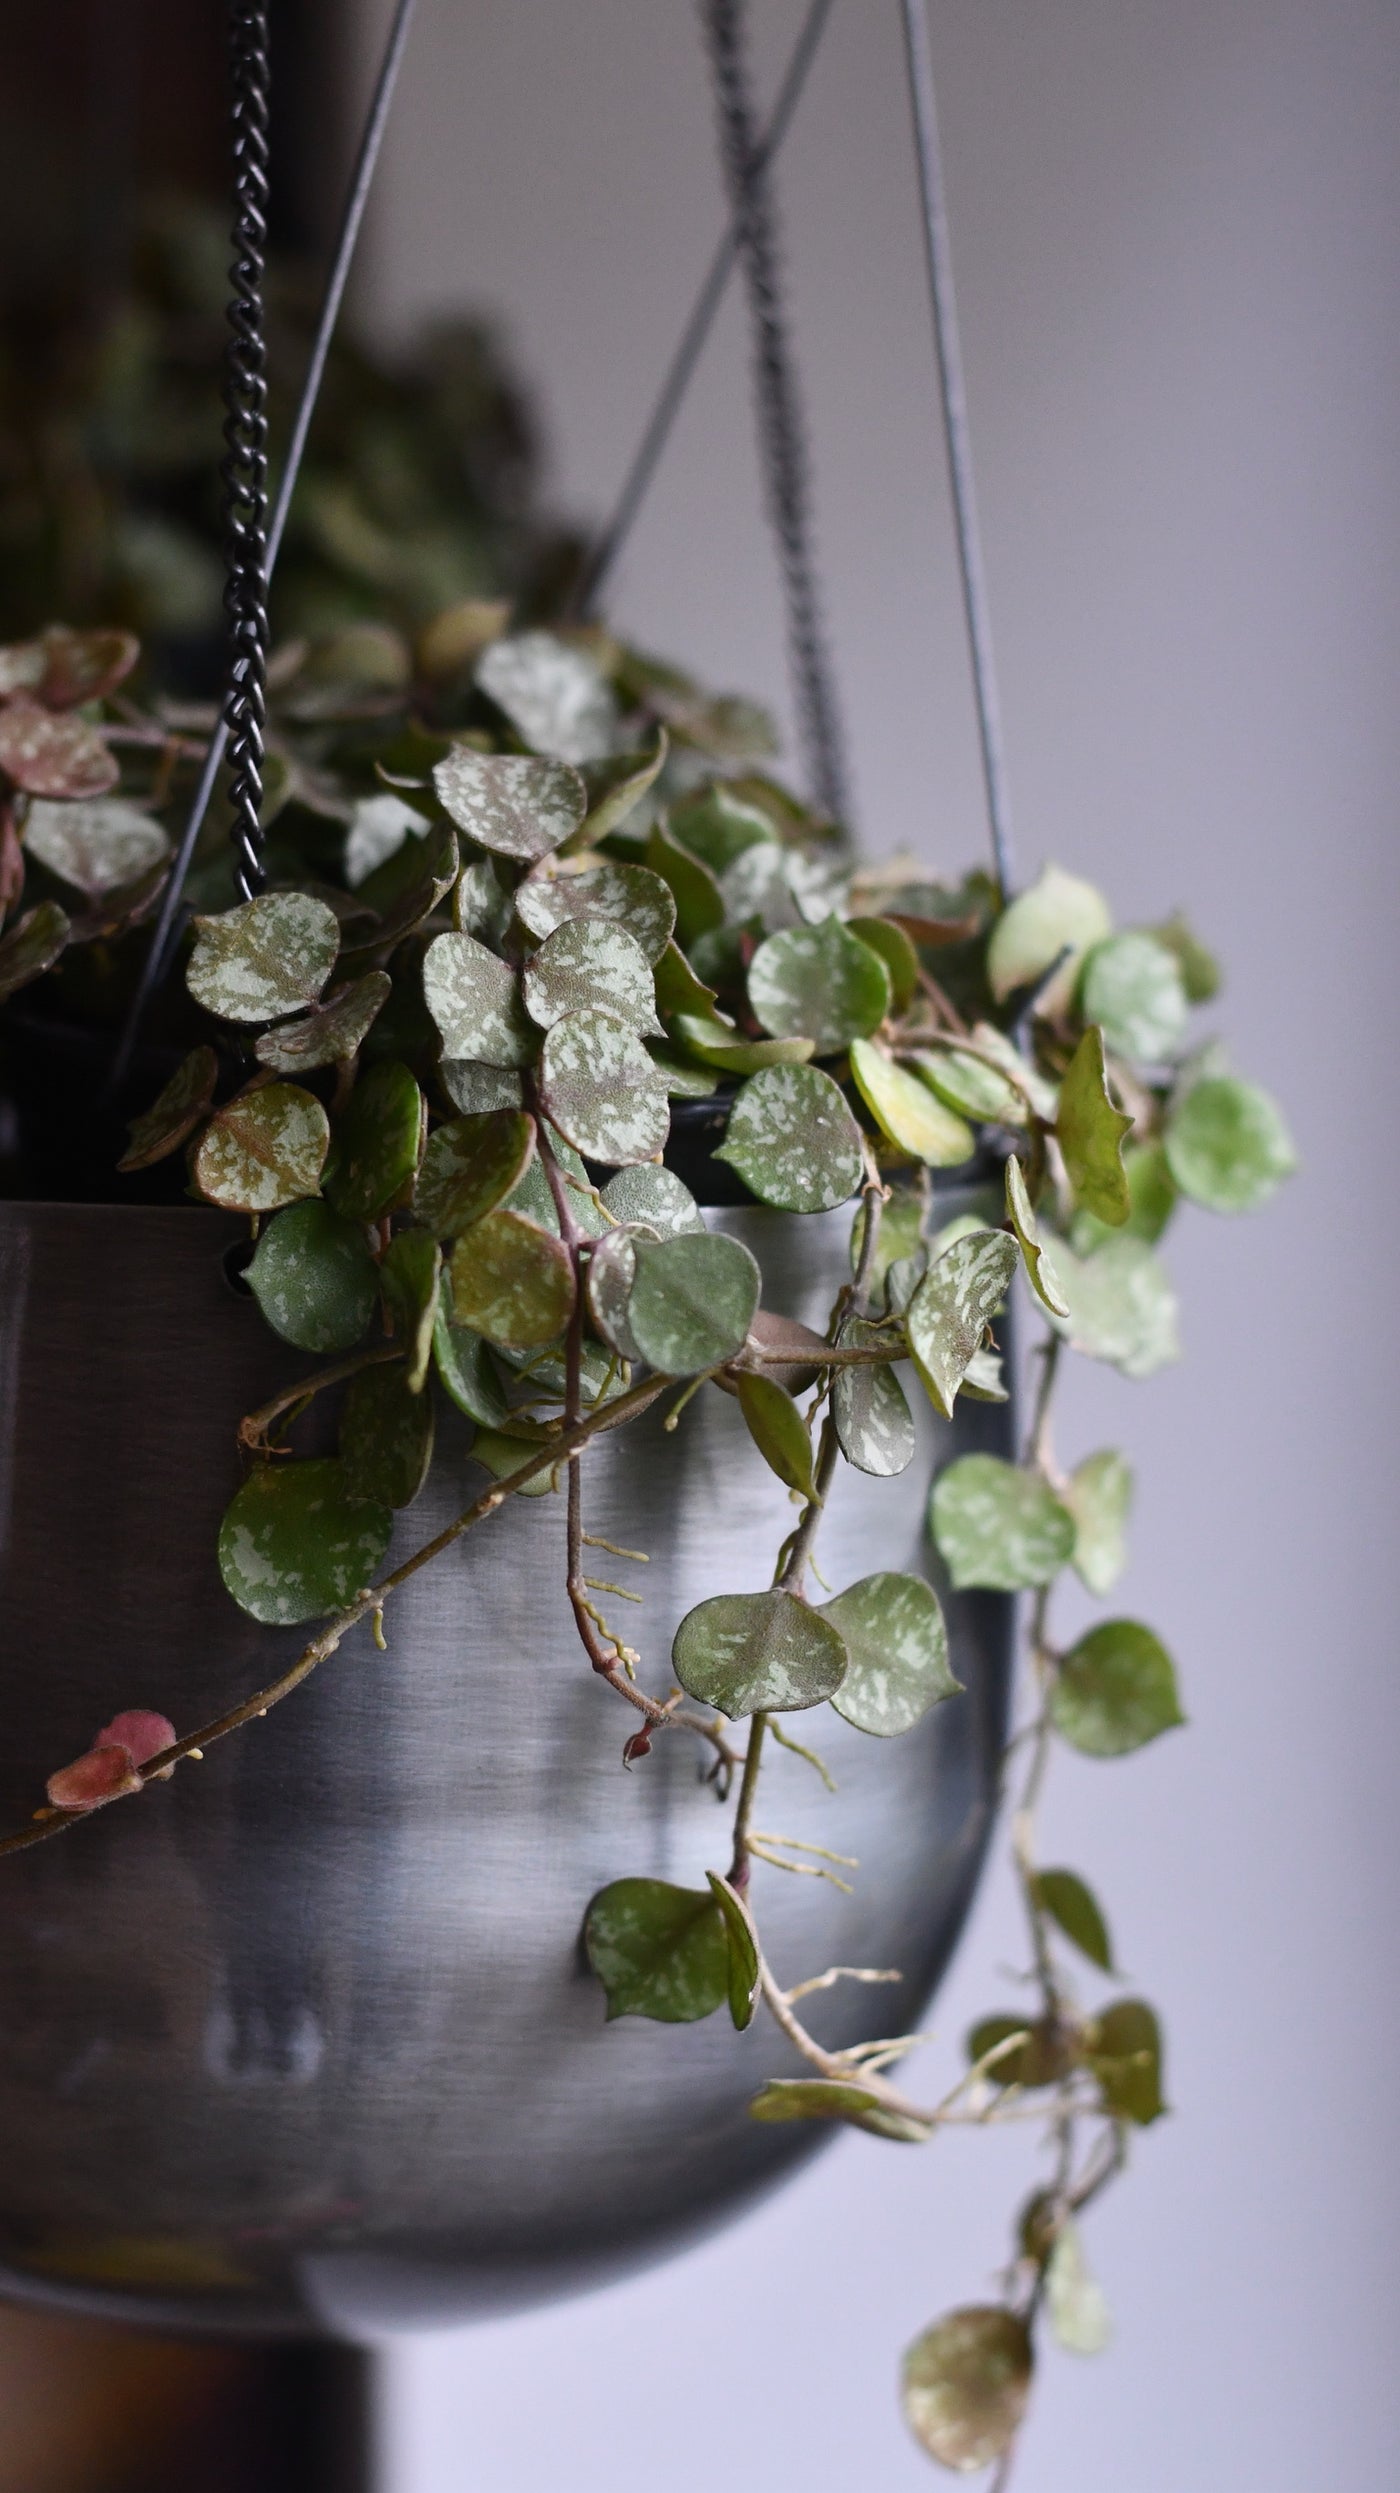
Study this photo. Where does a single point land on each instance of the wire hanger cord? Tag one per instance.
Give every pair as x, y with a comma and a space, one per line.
244, 467
167, 930
923, 104
695, 336
781, 434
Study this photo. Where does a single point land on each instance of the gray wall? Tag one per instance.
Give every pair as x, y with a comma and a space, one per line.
1174, 223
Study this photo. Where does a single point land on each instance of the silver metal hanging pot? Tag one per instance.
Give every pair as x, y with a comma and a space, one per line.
304, 2041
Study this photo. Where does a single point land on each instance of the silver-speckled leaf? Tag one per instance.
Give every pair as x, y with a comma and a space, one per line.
264, 1149
267, 957
471, 1165
1100, 1496
692, 1302
600, 1087
512, 1282
474, 997
1133, 987
186, 1097
314, 1278
793, 1140
50, 756
379, 1137
379, 826
819, 983
874, 1425
746, 1653
331, 1033
952, 1307
907, 1112
510, 802
98, 846
482, 903
410, 1276
1056, 914
435, 864
897, 1641
1040, 1269
553, 695
966, 2383
656, 1196
386, 1436
632, 896
590, 965
999, 1527
1122, 1307
474, 1088
1092, 1130
1227, 1145
612, 1269
295, 1545
84, 666
682, 1080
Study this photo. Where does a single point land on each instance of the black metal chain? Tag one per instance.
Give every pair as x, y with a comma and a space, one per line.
746, 165
244, 468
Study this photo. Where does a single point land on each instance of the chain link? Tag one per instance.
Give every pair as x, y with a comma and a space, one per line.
244, 468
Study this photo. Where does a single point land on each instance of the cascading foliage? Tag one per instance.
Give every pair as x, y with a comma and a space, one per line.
525, 891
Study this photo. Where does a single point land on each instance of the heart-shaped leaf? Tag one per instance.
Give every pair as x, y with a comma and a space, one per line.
678, 990
535, 1199
1074, 1908
600, 1087
1122, 1307
1227, 1145
1152, 1199
32, 946
511, 803
264, 1149
474, 997
656, 1196
386, 1436
1057, 914
778, 1430
874, 1425
628, 896
819, 983
84, 666
717, 826
51, 756
999, 1527
616, 787
379, 826
410, 1277
477, 1088
948, 1315
793, 1140
692, 1302
746, 1653
966, 2384
659, 1951
1116, 1690
590, 964
882, 936
744, 1974
895, 1635
1133, 988
99, 846
186, 1097
553, 695
1123, 2046
267, 957
512, 1282
503, 1456
1040, 1271
907, 1111
1091, 1131
836, 2099
1099, 1496
295, 1545
314, 1278
424, 878
1200, 971
464, 1364
331, 1033
470, 1166
378, 1142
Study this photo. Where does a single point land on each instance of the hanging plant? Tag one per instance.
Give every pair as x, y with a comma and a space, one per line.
530, 919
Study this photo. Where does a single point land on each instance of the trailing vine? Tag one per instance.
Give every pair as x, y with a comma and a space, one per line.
525, 893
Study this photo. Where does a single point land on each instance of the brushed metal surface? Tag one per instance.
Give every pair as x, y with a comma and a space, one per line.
303, 2040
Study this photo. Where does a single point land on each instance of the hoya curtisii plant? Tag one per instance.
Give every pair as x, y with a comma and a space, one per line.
528, 892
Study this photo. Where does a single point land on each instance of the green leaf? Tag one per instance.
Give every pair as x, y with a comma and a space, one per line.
616, 787
1115, 1691
267, 957
49, 756
747, 1653
1122, 1307
836, 2099
678, 990
1099, 1496
874, 1425
294, 1544
428, 873
32, 946
895, 949
590, 964
1057, 914
511, 803
966, 2384
314, 1278
1124, 2049
692, 1302
647, 1193
474, 998
553, 695
512, 1281
504, 1456
483, 903
714, 1043
263, 1149
793, 1140
612, 1269
411, 1279
186, 1097
895, 1635
1200, 971
98, 846
901, 1231
906, 1110
631, 897
378, 1140
1076, 2304
476, 1089
1091, 1131
469, 1167
1075, 1909
999, 1527
464, 1365
683, 1081
948, 1315
329, 1035
534, 1198
1040, 1272
600, 1087
659, 1951
1152, 1199
386, 1436
974, 1088
1133, 988
743, 1951
778, 1430
379, 826
819, 983
717, 827
699, 905
1227, 1145
1041, 2057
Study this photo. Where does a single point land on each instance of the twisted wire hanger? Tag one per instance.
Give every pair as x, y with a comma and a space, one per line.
244, 467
